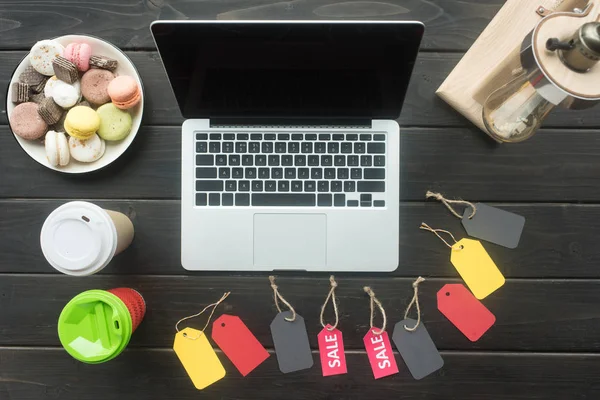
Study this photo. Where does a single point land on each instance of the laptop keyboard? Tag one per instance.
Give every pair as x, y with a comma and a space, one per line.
290, 169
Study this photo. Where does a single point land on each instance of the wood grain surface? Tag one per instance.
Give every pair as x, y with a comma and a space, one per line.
544, 344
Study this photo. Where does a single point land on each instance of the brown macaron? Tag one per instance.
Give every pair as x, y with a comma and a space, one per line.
26, 122
94, 86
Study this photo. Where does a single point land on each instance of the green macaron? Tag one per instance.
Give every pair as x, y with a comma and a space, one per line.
115, 124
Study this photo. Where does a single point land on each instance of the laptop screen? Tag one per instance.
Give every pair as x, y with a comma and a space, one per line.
289, 69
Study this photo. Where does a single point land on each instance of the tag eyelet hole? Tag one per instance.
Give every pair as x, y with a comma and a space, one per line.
461, 247
86, 219
447, 293
184, 334
223, 325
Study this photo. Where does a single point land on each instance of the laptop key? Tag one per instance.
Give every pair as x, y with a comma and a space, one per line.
379, 161
270, 186
353, 161
267, 147
283, 136
379, 203
214, 199
310, 136
283, 199
274, 161
242, 199
290, 173
346, 147
307, 147
366, 161
242, 136
338, 137
374, 173
237, 173
356, 173
263, 173
324, 199
280, 147
221, 159
296, 186
316, 173
260, 160
320, 147
349, 186
214, 147
352, 203
327, 161
379, 137
370, 186
244, 186
339, 200
283, 186
336, 186
300, 160
227, 199
257, 186
241, 147
215, 136
352, 137
254, 147
207, 159
287, 160
376, 148
229, 136
209, 186
297, 136
201, 199
343, 173
234, 159
247, 160
339, 161
333, 147
270, 136
206, 173
201, 136
230, 186
277, 173
310, 186
324, 136
365, 137
256, 136
224, 173
251, 173
313, 161
359, 148
329, 173
323, 186
293, 147
201, 147
303, 173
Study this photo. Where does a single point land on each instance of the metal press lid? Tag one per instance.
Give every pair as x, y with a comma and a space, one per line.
78, 238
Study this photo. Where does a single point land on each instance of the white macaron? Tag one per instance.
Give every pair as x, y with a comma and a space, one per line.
57, 149
43, 53
87, 150
64, 94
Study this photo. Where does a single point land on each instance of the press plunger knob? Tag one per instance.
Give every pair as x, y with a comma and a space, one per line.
554, 44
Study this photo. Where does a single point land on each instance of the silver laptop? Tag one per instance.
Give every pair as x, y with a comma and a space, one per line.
290, 148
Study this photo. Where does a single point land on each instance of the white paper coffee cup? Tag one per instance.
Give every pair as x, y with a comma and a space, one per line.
80, 238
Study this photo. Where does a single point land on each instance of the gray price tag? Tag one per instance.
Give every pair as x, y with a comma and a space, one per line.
494, 225
417, 349
291, 343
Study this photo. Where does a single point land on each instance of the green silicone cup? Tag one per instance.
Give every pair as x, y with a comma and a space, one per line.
95, 327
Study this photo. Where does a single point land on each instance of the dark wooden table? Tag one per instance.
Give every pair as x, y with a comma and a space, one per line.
545, 344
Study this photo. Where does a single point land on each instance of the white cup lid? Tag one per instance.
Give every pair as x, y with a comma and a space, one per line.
79, 238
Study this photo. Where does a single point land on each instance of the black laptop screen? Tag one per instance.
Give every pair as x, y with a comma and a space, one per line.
285, 69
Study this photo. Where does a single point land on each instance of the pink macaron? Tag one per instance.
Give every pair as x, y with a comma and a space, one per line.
79, 54
124, 92
26, 122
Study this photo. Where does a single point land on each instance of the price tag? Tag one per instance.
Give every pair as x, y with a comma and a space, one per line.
198, 358
291, 343
467, 313
380, 354
417, 349
331, 350
494, 225
476, 267
238, 343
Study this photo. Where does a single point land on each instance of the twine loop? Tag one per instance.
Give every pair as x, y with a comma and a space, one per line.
213, 305
374, 301
415, 300
448, 203
437, 232
277, 296
335, 308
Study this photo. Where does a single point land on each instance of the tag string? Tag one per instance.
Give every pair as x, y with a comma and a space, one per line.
426, 227
213, 305
373, 302
335, 309
277, 297
448, 203
415, 300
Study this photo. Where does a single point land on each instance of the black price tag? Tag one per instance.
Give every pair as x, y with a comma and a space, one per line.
291, 343
417, 349
494, 225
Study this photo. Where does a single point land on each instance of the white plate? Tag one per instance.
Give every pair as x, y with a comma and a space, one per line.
35, 148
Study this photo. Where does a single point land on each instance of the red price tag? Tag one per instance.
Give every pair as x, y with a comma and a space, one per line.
380, 354
467, 313
238, 343
331, 349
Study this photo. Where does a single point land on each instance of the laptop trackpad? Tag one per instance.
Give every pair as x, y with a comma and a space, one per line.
290, 241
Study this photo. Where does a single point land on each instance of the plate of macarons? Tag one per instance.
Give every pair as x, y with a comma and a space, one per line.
75, 103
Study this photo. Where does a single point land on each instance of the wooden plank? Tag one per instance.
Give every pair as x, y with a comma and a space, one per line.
558, 241
556, 165
38, 374
532, 315
422, 107
450, 24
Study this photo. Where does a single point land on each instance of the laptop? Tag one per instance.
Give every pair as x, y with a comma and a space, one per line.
290, 148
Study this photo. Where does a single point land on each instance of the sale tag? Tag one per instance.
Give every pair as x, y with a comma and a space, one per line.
331, 349
380, 354
417, 349
494, 225
198, 358
476, 267
467, 313
238, 343
291, 343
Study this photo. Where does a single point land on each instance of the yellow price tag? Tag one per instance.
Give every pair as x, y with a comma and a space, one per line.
198, 358
476, 267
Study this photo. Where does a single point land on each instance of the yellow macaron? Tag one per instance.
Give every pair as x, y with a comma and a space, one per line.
82, 122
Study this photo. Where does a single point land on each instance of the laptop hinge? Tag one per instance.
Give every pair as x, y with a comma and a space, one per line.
281, 123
